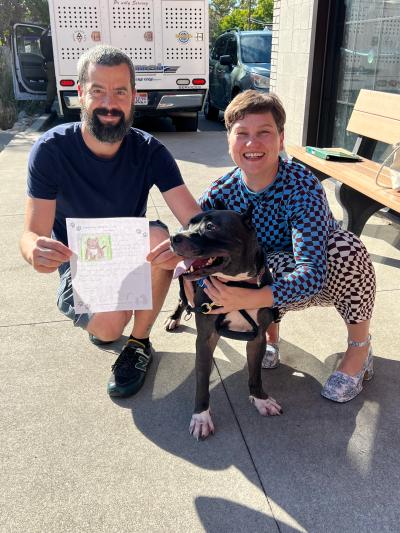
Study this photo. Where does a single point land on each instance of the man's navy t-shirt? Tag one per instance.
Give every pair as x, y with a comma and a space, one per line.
62, 167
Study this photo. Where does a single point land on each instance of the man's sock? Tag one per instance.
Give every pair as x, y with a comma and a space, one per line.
146, 341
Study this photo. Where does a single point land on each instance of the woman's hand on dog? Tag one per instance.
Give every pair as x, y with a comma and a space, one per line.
236, 298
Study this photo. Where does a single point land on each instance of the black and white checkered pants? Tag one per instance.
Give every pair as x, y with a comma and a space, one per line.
350, 284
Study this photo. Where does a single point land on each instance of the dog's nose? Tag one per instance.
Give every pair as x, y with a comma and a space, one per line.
175, 239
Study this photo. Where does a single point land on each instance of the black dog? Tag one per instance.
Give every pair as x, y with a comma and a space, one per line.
223, 243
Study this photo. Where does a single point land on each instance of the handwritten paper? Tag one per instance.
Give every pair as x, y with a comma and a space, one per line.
109, 271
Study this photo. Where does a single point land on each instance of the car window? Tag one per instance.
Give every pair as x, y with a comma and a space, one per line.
231, 49
27, 39
219, 48
256, 48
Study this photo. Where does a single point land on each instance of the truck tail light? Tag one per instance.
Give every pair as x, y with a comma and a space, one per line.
198, 81
67, 83
182, 81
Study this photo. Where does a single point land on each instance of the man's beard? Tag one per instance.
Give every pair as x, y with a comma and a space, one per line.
107, 133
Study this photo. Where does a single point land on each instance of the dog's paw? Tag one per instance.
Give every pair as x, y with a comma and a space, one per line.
267, 407
171, 324
201, 425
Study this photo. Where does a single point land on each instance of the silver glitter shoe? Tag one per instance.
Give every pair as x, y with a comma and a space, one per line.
341, 387
271, 356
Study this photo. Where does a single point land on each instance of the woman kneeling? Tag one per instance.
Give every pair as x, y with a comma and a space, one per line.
313, 260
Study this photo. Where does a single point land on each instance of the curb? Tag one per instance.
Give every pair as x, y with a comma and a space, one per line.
41, 122
37, 125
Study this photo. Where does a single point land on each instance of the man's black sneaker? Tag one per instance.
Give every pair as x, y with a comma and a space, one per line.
129, 370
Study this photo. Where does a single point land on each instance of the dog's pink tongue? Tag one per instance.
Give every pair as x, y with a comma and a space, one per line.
182, 266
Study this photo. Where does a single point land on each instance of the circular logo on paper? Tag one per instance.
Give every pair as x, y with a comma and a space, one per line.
183, 36
79, 36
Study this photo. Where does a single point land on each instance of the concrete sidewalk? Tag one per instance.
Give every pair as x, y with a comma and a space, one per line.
73, 460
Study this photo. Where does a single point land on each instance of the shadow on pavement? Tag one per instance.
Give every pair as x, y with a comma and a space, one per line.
218, 515
326, 450
388, 233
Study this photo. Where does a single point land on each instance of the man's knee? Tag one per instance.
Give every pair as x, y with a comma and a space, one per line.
109, 326
158, 233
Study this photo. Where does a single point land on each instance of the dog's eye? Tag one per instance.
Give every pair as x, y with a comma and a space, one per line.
210, 226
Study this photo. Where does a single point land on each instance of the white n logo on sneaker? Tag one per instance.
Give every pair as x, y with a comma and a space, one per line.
143, 360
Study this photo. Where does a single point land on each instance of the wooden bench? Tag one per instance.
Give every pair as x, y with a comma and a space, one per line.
375, 117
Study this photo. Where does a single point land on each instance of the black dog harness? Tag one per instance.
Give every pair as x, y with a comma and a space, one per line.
263, 279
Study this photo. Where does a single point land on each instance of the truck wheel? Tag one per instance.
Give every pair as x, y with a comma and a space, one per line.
210, 112
186, 123
70, 115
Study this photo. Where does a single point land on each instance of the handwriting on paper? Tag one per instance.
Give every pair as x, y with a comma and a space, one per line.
108, 268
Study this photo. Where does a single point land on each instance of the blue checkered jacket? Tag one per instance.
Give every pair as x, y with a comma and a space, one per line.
292, 214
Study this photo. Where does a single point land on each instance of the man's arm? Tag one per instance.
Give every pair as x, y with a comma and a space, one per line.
182, 204
37, 248
184, 207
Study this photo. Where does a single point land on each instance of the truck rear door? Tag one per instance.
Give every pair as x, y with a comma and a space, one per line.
185, 45
29, 76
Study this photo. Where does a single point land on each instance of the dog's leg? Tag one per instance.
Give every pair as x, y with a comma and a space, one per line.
201, 424
255, 351
172, 321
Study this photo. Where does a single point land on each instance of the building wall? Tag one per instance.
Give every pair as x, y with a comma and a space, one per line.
291, 61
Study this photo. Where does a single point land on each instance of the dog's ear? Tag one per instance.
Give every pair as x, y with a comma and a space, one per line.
219, 205
246, 216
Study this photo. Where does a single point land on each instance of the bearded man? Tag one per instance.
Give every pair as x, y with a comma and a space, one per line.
97, 168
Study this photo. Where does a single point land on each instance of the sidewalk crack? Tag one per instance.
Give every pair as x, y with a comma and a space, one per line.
247, 447
34, 323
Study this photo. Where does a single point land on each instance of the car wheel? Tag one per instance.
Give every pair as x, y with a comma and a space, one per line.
235, 93
186, 123
210, 112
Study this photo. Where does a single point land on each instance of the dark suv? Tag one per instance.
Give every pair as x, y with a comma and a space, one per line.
240, 60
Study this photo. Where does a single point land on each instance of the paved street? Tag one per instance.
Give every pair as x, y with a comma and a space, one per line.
73, 460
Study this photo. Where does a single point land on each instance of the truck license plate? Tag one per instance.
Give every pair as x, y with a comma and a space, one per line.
141, 99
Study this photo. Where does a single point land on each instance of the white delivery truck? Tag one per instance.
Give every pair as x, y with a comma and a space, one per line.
167, 41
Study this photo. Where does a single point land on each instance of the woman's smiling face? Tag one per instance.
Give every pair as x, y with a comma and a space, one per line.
254, 145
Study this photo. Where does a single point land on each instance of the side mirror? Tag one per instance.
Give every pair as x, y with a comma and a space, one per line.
226, 60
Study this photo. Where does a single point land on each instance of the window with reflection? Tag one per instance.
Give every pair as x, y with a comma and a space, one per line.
369, 59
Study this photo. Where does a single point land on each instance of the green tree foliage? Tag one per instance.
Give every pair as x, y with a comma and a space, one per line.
12, 11
242, 14
218, 9
238, 18
263, 11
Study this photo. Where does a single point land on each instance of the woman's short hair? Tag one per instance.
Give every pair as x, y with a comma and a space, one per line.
105, 55
254, 102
